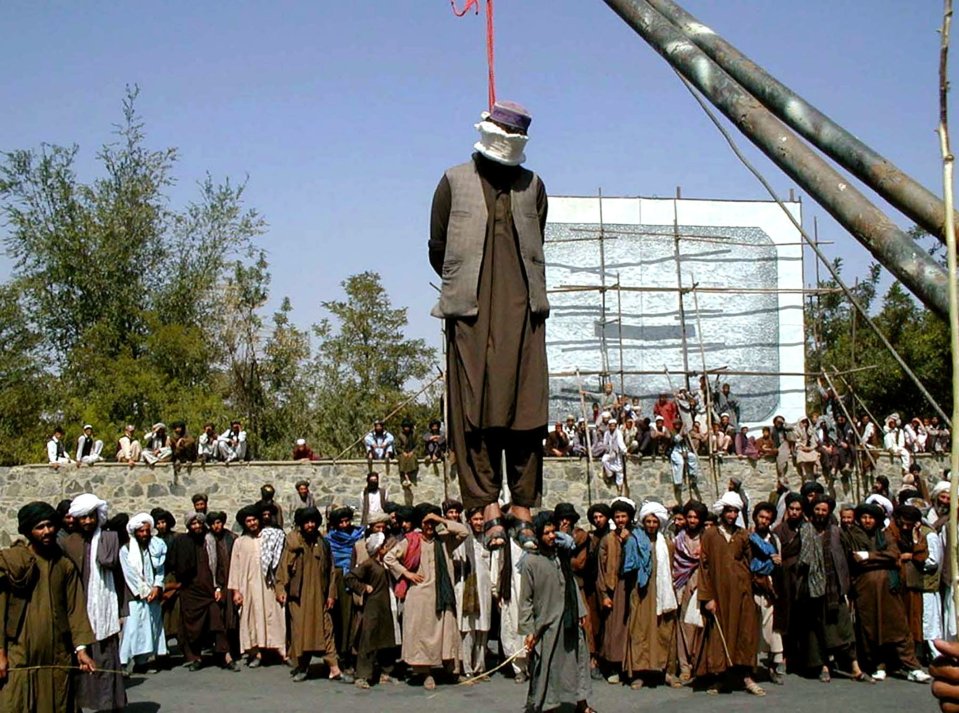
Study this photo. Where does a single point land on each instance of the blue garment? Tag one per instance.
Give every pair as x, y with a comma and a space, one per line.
341, 544
761, 562
638, 557
143, 633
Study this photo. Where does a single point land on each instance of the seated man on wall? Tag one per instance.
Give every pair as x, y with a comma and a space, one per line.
435, 442
379, 443
557, 443
88, 448
208, 445
128, 447
184, 445
56, 451
158, 446
232, 443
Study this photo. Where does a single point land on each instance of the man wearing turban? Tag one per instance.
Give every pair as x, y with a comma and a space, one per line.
96, 553
880, 616
197, 574
306, 584
725, 589
377, 634
486, 243
142, 561
43, 615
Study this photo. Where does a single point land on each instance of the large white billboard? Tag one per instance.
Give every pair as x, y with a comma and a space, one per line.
746, 259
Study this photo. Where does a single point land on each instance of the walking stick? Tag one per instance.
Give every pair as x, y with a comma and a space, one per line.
589, 443
722, 637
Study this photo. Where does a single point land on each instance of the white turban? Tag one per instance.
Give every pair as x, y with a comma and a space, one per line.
729, 499
374, 542
654, 508
138, 521
882, 501
86, 504
941, 487
378, 517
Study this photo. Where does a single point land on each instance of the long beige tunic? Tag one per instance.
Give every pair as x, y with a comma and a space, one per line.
262, 622
429, 639
650, 637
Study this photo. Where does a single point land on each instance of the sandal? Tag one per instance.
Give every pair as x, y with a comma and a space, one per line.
863, 677
636, 684
526, 536
429, 683
755, 689
824, 676
494, 533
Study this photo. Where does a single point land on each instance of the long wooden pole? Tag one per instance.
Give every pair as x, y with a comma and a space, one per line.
948, 161
589, 443
855, 429
709, 406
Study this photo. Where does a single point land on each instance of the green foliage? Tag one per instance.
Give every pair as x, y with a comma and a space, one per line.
124, 309
363, 362
920, 337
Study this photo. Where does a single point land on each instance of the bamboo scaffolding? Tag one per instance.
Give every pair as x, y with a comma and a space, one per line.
855, 429
721, 370
707, 395
704, 290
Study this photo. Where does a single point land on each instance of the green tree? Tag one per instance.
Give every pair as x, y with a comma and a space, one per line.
363, 363
124, 292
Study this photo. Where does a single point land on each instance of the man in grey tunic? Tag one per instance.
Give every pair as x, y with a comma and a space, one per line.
486, 243
552, 617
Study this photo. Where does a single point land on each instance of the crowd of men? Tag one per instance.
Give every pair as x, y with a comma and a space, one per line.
686, 426
646, 596
157, 446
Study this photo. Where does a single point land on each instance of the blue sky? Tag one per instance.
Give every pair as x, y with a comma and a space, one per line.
345, 114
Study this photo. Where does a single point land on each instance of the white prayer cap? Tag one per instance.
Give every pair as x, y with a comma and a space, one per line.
86, 504
158, 426
138, 521
605, 415
301, 441
86, 426
374, 542
941, 487
882, 501
729, 499
651, 507
378, 517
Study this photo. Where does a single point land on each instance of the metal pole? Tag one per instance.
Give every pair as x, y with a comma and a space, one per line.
602, 282
891, 246
873, 169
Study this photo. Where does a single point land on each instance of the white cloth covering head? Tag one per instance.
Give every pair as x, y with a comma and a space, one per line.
653, 508
498, 145
730, 499
301, 441
86, 504
378, 517
138, 521
941, 487
882, 501
374, 542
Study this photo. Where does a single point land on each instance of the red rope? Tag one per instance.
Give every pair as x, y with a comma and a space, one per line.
490, 34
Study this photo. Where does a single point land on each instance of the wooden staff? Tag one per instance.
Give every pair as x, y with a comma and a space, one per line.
589, 443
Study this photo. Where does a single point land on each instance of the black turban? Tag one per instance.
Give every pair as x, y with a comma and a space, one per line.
213, 516
601, 508
268, 506
452, 505
540, 522
908, 512
404, 513
623, 506
422, 510
565, 510
870, 509
794, 497
697, 507
337, 514
390, 507
63, 507
32, 514
811, 486
248, 511
160, 514
305, 515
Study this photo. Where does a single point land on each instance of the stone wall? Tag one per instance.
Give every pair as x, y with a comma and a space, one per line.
230, 487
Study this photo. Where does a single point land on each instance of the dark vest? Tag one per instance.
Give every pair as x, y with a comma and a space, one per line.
466, 239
